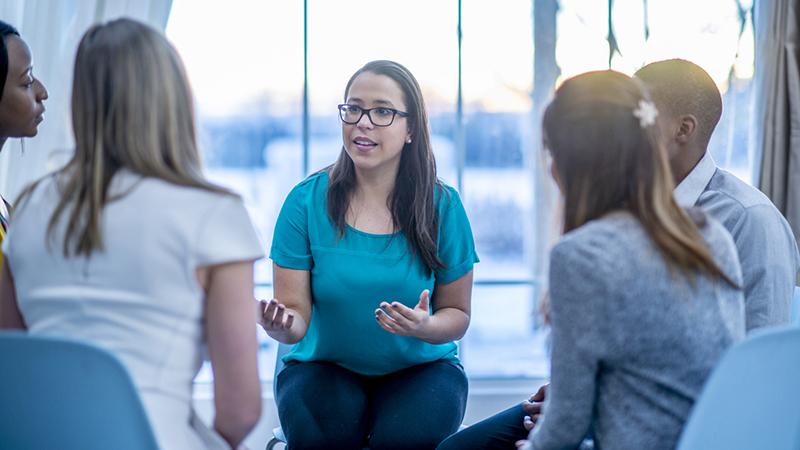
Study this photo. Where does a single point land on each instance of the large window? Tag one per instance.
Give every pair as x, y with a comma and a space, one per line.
345, 34
267, 77
716, 34
498, 189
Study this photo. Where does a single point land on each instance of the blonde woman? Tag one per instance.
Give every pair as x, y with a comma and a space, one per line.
644, 296
128, 247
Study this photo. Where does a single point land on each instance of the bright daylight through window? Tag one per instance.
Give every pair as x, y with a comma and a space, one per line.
248, 77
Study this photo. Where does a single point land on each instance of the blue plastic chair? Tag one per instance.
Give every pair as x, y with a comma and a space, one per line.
67, 395
752, 399
796, 306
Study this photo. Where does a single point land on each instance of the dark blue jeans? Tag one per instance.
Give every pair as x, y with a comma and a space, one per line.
498, 432
325, 406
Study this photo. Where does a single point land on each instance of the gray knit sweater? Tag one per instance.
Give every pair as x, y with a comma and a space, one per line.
633, 341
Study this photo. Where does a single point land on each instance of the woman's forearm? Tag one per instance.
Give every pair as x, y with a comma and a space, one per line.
295, 333
445, 325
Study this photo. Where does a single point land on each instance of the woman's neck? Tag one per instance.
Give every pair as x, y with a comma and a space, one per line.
375, 186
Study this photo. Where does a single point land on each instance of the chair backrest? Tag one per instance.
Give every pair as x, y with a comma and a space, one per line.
752, 399
58, 393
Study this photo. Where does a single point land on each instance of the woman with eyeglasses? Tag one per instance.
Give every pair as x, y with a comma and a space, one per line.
373, 261
22, 98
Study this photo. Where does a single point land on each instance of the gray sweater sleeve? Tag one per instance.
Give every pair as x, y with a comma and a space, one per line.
579, 281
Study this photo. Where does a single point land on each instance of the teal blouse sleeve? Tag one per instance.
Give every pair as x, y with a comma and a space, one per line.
291, 247
456, 244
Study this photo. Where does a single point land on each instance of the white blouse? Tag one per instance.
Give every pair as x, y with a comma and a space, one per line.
139, 297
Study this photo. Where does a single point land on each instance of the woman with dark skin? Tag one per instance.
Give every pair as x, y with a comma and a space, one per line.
22, 97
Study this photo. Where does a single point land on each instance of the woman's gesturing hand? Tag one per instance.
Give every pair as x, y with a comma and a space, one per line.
274, 318
401, 320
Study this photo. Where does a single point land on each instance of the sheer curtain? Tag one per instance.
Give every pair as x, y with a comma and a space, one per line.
777, 80
52, 29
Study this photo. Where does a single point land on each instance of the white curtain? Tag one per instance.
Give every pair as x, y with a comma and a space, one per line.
52, 29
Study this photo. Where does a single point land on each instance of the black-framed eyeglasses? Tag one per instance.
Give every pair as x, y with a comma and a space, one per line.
380, 116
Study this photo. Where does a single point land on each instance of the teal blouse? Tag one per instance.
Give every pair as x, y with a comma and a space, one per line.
353, 274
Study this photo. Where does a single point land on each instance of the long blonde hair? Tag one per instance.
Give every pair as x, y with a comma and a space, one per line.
132, 109
609, 159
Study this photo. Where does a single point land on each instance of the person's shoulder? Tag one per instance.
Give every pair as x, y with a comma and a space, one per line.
51, 183
727, 186
316, 179
182, 195
608, 240
445, 196
44, 190
719, 242
607, 229
603, 253
743, 203
169, 204
712, 230
316, 183
445, 189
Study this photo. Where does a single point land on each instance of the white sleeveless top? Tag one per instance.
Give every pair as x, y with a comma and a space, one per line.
139, 297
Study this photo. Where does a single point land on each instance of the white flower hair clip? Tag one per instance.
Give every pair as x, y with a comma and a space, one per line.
646, 112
